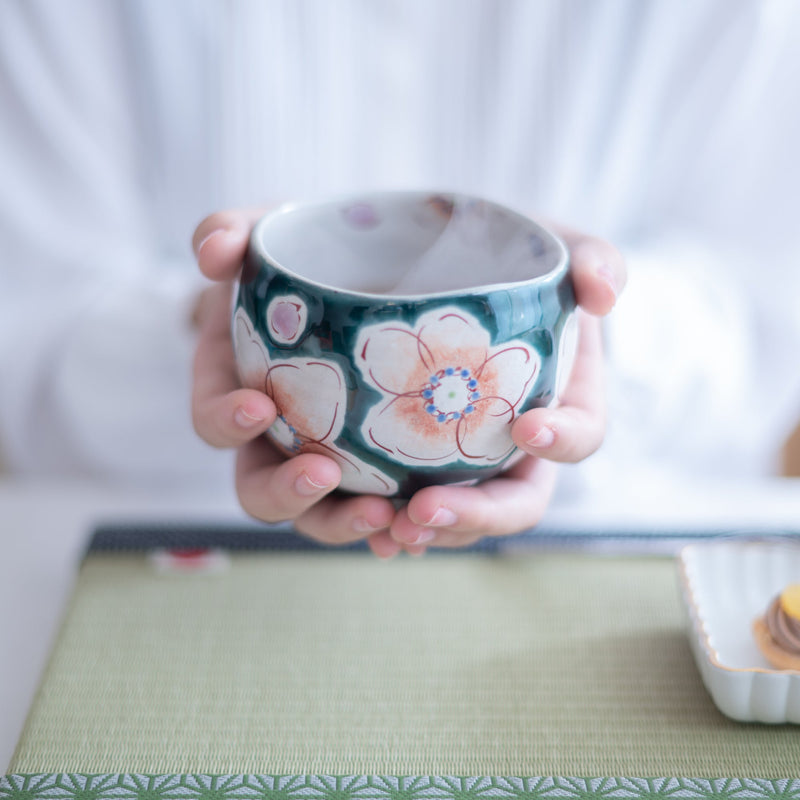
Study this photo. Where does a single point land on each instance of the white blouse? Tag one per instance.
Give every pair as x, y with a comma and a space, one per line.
669, 128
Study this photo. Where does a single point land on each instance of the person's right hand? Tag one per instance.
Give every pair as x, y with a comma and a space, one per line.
269, 486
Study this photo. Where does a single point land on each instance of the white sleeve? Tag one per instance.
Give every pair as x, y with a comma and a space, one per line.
704, 374
95, 340
704, 346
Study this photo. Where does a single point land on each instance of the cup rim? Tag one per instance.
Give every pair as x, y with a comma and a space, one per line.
552, 275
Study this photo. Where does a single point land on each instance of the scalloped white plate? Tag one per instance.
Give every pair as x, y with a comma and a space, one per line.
726, 584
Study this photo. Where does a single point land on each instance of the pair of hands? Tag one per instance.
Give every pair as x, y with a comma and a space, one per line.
273, 488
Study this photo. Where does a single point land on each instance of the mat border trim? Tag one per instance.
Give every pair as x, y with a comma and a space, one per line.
203, 786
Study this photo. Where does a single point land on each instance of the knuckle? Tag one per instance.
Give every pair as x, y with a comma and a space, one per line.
207, 425
197, 423
485, 519
589, 442
310, 526
202, 426
262, 508
588, 251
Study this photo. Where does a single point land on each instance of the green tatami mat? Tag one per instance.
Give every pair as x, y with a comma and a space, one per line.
339, 664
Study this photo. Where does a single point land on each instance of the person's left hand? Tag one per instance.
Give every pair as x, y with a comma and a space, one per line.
454, 516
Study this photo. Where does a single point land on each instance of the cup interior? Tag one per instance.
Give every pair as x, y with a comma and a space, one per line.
407, 244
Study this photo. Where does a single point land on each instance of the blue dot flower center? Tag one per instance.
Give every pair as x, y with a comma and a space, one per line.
450, 394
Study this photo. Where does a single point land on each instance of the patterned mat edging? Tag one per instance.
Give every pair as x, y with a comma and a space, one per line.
126, 537
134, 786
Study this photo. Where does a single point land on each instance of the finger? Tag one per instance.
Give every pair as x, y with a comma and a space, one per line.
383, 546
220, 241
416, 549
223, 414
574, 429
274, 489
456, 515
231, 420
342, 519
447, 539
598, 270
213, 316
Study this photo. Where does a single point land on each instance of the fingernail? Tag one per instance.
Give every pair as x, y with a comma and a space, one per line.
306, 487
606, 274
425, 535
208, 238
443, 517
362, 525
219, 232
544, 438
245, 420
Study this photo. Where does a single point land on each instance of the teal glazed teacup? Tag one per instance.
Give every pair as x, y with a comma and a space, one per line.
402, 333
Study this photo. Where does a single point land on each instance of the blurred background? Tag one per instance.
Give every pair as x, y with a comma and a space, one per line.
670, 129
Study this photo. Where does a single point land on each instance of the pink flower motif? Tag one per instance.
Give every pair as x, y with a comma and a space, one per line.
362, 216
310, 397
286, 318
448, 395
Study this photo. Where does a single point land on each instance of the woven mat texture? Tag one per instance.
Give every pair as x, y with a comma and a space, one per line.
526, 664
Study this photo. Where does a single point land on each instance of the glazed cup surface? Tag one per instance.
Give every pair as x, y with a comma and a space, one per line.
403, 333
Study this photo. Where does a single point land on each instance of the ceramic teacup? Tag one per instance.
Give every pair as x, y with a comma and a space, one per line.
402, 333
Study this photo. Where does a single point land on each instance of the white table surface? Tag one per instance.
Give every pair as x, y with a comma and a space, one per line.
45, 526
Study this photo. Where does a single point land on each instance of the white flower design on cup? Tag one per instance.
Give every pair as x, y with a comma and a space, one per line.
448, 395
310, 397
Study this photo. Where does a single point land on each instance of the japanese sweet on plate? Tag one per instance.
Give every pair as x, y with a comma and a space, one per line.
777, 630
727, 584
